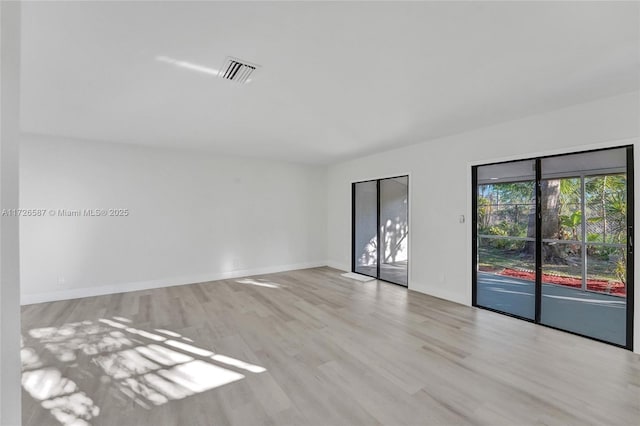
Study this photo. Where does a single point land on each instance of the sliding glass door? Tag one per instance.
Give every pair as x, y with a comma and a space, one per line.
394, 227
584, 243
365, 221
506, 238
553, 242
380, 229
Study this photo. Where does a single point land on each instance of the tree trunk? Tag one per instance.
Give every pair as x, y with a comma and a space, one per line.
550, 190
550, 204
530, 247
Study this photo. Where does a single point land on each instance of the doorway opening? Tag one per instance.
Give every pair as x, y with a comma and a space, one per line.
380, 229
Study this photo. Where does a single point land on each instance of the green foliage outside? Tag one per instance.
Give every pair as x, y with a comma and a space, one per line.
507, 209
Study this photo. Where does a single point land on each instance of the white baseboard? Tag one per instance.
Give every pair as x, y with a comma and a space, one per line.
439, 293
338, 265
76, 293
435, 292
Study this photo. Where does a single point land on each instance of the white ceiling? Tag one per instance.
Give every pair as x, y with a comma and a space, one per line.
338, 80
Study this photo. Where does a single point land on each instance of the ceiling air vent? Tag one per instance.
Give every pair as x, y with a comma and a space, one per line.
237, 70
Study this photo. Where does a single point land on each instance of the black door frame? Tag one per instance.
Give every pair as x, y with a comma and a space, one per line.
538, 257
353, 228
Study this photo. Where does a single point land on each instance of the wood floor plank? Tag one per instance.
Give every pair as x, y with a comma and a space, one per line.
310, 347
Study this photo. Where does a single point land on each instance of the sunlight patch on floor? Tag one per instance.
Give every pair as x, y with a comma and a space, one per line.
146, 367
258, 282
162, 355
237, 363
59, 395
189, 348
199, 376
47, 383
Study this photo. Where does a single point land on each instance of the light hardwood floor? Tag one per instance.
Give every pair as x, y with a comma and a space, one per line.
311, 348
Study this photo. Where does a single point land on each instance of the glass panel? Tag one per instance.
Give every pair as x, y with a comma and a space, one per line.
583, 287
505, 209
606, 208
599, 310
394, 228
563, 208
366, 223
506, 238
562, 264
499, 254
506, 276
607, 269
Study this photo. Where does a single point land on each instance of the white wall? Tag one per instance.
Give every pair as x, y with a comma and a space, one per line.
193, 217
10, 371
440, 186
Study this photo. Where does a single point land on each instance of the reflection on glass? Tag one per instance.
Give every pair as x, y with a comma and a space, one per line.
394, 228
366, 223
